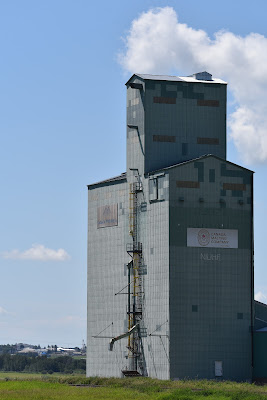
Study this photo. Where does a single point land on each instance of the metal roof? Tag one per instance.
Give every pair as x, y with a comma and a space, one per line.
260, 303
123, 176
176, 78
262, 329
197, 159
115, 179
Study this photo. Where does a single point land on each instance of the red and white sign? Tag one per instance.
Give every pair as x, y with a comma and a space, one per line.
207, 237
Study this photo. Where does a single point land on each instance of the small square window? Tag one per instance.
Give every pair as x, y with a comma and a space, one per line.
143, 206
194, 308
239, 315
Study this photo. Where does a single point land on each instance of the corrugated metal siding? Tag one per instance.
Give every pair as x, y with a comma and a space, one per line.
154, 231
217, 280
260, 356
107, 275
198, 302
106, 259
178, 115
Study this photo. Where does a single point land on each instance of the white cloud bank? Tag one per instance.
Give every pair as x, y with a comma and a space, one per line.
158, 43
260, 297
37, 252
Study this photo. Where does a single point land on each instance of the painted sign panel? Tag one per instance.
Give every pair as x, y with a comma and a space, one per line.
207, 237
107, 216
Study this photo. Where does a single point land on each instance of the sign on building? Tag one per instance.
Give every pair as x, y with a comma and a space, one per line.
207, 237
107, 216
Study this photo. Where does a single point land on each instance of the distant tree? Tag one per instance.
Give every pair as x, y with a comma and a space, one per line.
8, 348
34, 363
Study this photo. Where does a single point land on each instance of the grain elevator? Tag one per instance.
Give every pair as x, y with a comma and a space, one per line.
170, 241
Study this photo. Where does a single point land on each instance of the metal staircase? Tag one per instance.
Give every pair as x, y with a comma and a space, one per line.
135, 292
135, 286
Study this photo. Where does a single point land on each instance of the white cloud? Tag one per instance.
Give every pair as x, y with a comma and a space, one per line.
37, 252
158, 43
3, 311
260, 297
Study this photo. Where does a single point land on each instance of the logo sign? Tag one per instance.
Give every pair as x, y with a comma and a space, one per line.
203, 237
207, 237
107, 216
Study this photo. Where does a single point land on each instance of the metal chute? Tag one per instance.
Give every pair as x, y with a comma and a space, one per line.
123, 335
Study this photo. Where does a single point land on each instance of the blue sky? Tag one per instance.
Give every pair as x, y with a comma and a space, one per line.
62, 125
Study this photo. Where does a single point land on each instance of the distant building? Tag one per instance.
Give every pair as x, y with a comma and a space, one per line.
65, 350
27, 350
170, 242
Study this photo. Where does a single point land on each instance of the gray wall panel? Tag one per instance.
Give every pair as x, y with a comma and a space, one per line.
106, 258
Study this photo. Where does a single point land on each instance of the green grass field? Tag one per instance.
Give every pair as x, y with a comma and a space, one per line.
16, 386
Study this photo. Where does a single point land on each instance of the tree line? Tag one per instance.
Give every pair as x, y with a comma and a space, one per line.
41, 364
8, 348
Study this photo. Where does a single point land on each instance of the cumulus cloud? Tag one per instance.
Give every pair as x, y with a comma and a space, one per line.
37, 252
158, 43
260, 297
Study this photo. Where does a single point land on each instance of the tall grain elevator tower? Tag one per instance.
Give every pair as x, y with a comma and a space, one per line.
170, 242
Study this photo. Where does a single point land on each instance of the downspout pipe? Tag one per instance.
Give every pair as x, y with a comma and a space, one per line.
126, 334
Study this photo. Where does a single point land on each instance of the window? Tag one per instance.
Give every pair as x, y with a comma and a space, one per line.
156, 188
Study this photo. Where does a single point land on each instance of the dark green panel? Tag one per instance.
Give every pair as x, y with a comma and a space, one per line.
200, 166
167, 93
235, 173
182, 218
260, 315
184, 149
212, 175
150, 85
237, 193
260, 354
185, 88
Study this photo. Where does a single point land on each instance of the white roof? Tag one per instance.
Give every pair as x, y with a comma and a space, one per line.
191, 79
179, 78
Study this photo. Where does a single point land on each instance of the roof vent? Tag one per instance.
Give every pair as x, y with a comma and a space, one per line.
203, 76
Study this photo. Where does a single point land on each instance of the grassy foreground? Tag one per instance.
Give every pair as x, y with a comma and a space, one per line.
15, 386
